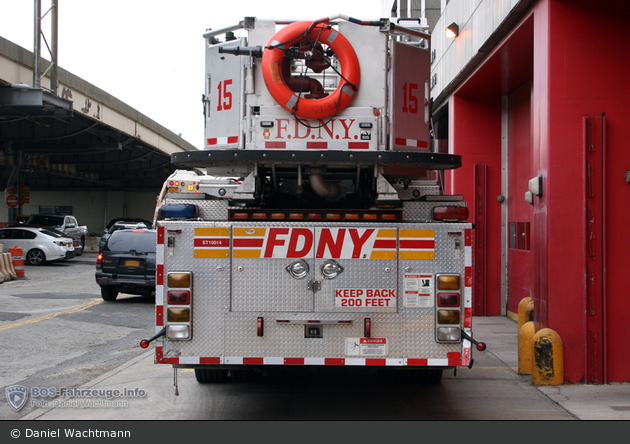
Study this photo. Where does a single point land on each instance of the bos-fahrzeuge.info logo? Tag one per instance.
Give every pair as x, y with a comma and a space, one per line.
17, 396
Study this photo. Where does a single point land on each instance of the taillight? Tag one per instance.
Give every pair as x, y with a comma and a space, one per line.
99, 261
260, 323
178, 297
451, 214
448, 316
448, 300
179, 306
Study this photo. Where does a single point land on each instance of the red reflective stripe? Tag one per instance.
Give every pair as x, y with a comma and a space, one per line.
317, 145
275, 144
455, 362
417, 244
358, 145
247, 242
467, 317
160, 236
294, 361
414, 361
375, 362
159, 316
254, 361
468, 238
468, 277
215, 140
213, 360
411, 142
334, 361
380, 243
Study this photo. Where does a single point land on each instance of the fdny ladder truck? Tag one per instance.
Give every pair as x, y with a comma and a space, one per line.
312, 229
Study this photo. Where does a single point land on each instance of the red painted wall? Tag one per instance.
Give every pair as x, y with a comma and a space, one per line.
478, 134
588, 73
581, 65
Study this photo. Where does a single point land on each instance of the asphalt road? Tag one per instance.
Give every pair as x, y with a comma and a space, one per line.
56, 330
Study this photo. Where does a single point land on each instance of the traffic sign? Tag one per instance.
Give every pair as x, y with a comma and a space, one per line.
12, 200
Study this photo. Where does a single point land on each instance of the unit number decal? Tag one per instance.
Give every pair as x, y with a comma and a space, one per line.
371, 347
418, 290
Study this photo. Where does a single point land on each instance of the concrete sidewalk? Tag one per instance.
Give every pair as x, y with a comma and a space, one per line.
584, 402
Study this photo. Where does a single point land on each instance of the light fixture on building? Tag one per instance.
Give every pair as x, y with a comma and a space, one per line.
452, 30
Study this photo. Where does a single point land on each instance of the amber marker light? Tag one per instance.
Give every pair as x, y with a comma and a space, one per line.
178, 280
448, 317
448, 282
178, 314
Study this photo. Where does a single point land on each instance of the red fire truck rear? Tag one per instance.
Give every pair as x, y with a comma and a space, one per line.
313, 230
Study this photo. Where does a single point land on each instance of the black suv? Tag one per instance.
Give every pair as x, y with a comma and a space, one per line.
126, 264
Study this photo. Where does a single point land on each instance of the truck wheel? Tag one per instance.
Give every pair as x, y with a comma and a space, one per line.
429, 376
205, 375
109, 293
245, 375
35, 257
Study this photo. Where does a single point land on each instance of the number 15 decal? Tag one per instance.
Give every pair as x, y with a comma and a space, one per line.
225, 97
410, 101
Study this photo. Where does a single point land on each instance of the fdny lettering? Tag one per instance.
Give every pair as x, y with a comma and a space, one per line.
335, 129
335, 243
291, 243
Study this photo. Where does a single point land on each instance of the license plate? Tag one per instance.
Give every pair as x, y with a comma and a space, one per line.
130, 263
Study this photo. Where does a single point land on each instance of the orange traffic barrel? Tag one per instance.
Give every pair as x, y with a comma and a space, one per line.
18, 260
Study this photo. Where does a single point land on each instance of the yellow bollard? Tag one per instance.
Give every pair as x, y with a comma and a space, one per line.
525, 348
522, 315
548, 358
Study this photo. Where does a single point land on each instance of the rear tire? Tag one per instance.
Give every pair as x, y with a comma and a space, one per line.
245, 375
35, 257
109, 293
205, 376
429, 377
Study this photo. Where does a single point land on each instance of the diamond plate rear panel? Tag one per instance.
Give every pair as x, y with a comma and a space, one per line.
422, 211
231, 293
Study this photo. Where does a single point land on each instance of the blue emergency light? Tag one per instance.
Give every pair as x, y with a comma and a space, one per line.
179, 211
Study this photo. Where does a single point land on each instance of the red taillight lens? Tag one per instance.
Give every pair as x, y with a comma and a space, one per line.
450, 213
260, 326
448, 299
99, 261
177, 297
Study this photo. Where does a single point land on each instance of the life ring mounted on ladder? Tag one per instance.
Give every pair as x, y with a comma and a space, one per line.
281, 85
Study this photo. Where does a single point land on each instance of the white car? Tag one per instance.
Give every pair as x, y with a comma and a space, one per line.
39, 245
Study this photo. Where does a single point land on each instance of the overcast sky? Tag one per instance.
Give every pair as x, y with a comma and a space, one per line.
150, 53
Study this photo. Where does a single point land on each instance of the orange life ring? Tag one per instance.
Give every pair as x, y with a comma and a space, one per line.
300, 106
